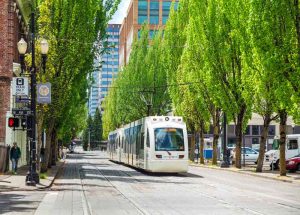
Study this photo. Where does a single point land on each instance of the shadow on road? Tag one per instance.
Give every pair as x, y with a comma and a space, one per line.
12, 203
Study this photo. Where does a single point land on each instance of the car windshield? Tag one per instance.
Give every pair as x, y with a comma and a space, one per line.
169, 139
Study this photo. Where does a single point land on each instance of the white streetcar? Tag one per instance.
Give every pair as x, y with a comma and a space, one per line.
155, 144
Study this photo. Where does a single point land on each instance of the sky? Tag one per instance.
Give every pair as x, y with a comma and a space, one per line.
121, 12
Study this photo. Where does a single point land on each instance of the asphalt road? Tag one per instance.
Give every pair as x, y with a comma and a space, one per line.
91, 184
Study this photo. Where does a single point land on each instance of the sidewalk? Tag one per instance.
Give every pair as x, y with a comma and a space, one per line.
250, 170
9, 182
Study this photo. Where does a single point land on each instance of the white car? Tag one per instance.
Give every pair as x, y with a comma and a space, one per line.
250, 155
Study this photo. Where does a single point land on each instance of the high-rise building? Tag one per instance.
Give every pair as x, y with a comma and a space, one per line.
94, 93
153, 12
106, 69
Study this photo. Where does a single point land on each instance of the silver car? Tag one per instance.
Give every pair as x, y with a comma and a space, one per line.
250, 155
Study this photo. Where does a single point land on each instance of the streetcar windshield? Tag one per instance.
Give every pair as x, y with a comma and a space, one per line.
169, 139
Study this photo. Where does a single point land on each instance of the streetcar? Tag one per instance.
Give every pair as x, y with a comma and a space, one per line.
154, 144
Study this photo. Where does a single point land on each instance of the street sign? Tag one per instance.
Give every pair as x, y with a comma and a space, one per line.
20, 86
21, 111
44, 93
22, 99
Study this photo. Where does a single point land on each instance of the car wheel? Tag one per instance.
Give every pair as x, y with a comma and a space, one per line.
298, 167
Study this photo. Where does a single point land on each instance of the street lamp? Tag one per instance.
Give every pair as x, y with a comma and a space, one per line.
44, 51
32, 178
22, 47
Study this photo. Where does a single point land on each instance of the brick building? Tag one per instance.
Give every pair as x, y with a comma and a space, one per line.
153, 12
13, 25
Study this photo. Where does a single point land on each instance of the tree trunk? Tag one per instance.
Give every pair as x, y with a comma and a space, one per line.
217, 130
201, 142
44, 165
54, 148
193, 143
263, 139
282, 141
239, 136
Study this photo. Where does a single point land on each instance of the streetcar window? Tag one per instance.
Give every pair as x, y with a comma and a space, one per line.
148, 139
142, 141
169, 139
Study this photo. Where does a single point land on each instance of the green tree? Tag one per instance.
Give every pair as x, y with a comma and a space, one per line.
274, 30
96, 130
70, 60
86, 137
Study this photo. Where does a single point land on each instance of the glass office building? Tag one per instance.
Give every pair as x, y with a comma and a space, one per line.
107, 68
153, 12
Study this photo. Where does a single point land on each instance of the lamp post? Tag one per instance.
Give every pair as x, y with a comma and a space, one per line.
225, 163
32, 177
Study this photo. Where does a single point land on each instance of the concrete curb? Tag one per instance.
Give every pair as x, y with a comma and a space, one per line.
55, 176
277, 178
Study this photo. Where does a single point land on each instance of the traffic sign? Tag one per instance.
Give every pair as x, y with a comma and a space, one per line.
21, 111
22, 99
20, 86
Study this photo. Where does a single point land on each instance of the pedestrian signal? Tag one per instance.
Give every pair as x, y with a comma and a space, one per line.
13, 122
24, 123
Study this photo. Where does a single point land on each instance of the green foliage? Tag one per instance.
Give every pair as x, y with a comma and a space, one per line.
92, 133
139, 86
86, 133
96, 132
74, 30
237, 56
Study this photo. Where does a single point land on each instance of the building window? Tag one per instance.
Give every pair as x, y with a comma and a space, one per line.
231, 142
166, 10
247, 132
272, 130
106, 75
105, 82
142, 14
255, 129
154, 12
255, 140
231, 129
152, 33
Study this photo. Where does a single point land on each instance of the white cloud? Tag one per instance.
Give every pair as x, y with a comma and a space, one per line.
120, 13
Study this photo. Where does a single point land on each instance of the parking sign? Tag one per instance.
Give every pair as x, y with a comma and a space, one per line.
20, 86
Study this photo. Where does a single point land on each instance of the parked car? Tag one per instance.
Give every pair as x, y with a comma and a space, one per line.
251, 155
293, 164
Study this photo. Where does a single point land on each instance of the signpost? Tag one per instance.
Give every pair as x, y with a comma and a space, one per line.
20, 86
